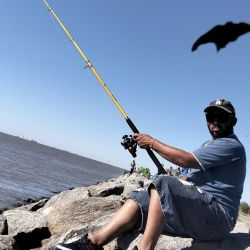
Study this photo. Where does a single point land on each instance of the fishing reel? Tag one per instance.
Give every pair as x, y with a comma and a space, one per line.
130, 144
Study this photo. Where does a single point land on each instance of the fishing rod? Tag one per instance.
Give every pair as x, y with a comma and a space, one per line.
89, 65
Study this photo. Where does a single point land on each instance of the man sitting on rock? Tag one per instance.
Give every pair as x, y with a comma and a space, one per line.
204, 206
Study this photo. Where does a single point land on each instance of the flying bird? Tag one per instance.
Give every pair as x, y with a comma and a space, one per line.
221, 35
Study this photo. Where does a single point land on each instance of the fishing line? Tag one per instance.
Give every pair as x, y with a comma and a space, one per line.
92, 68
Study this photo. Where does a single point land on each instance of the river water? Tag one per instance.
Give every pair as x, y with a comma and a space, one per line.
30, 171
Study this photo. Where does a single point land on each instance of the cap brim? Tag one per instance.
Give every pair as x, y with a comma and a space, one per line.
210, 108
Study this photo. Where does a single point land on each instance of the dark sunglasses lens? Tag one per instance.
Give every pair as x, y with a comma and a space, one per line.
209, 117
221, 118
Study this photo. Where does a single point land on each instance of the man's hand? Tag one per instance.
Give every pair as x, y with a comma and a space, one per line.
144, 141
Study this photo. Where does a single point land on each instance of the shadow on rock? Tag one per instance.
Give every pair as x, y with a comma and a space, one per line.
239, 241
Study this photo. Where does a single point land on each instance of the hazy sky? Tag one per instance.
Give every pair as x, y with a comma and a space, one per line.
142, 50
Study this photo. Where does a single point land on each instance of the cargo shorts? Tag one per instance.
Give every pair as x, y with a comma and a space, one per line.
188, 211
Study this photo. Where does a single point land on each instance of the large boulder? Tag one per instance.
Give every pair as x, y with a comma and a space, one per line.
70, 208
78, 231
26, 229
20, 221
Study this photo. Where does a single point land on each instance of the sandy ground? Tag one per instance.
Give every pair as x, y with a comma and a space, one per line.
243, 223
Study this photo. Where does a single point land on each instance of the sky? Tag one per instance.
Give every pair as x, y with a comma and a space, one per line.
142, 50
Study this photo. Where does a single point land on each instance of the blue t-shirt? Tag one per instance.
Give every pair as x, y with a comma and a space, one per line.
222, 172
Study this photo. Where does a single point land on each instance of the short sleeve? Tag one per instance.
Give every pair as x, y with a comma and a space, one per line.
215, 153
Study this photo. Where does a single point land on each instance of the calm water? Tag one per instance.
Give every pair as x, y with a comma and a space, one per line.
29, 170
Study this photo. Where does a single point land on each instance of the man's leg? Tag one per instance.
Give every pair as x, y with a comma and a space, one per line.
123, 220
154, 224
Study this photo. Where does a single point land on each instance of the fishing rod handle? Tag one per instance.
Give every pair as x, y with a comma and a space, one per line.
161, 170
151, 154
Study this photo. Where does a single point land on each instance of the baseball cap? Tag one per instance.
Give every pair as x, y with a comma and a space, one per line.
221, 104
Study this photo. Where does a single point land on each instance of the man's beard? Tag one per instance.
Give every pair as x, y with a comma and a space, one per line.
222, 132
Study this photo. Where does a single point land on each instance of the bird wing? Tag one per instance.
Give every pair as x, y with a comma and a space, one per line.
221, 35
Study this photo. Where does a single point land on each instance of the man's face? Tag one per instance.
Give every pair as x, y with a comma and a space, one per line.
219, 123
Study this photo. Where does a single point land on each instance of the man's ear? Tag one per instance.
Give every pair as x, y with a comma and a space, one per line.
234, 121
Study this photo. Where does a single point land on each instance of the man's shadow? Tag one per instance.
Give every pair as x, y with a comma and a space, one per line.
235, 241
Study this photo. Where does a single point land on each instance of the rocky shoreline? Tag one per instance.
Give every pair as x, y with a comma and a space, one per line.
70, 214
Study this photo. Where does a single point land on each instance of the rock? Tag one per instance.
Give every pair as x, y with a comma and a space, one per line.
71, 208
20, 221
77, 232
71, 214
7, 242
26, 227
129, 240
243, 224
132, 183
235, 241
121, 186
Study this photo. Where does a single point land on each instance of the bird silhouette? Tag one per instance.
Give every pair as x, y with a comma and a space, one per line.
221, 35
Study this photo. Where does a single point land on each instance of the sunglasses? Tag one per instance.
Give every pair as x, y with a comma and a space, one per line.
219, 117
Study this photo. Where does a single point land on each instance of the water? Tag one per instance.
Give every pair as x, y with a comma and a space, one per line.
30, 171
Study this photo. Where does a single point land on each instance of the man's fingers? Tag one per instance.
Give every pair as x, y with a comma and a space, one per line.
135, 136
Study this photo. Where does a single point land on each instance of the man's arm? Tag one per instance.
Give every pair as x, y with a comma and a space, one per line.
177, 156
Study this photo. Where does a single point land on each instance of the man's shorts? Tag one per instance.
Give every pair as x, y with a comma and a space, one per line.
188, 211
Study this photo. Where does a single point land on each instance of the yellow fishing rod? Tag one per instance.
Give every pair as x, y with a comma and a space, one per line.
89, 65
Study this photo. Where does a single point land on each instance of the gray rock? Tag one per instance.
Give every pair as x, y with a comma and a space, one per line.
80, 230
34, 206
121, 186
71, 208
7, 242
21, 221
235, 241
71, 214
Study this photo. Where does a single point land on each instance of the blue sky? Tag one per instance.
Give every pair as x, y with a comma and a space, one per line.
142, 50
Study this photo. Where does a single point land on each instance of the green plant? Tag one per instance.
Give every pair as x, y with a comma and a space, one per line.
144, 170
244, 208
